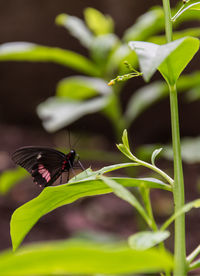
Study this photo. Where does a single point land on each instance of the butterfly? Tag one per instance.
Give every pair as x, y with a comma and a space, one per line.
45, 165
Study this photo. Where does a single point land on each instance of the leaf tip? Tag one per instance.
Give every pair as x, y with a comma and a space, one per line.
60, 19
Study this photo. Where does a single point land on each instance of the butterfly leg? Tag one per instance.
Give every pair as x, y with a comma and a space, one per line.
61, 179
79, 163
67, 176
71, 167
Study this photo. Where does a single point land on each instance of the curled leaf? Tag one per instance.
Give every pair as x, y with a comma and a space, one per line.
154, 155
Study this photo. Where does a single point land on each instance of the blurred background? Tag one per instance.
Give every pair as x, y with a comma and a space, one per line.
135, 105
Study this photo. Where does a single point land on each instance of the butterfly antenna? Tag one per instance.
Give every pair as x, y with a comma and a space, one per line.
77, 140
68, 138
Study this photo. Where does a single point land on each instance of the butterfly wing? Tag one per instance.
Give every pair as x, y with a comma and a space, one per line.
44, 164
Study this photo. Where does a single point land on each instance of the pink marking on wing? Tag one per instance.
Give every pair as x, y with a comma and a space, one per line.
45, 174
48, 178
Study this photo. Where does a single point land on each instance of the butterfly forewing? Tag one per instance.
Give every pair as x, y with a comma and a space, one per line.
44, 164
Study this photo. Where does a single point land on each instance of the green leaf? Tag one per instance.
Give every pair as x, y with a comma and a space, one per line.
11, 177
176, 35
115, 167
57, 113
170, 59
127, 196
146, 96
190, 150
24, 51
191, 5
76, 27
102, 48
80, 87
25, 217
97, 22
186, 208
193, 94
143, 98
179, 59
154, 155
117, 57
125, 139
125, 151
83, 257
150, 23
147, 239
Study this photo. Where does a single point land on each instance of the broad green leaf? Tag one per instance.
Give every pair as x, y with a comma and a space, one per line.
147, 239
186, 208
179, 59
57, 113
193, 94
146, 25
154, 92
80, 87
97, 22
127, 196
76, 27
116, 60
25, 217
176, 35
191, 5
25, 51
190, 150
170, 59
83, 258
152, 22
143, 98
102, 48
154, 155
11, 177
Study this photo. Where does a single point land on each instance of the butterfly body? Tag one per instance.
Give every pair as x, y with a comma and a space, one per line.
44, 164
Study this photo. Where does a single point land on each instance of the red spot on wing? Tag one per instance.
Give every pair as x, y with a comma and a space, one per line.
64, 165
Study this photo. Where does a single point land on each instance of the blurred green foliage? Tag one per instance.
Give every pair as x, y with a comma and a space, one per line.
81, 95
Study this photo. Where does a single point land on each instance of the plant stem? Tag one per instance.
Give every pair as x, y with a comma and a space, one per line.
155, 169
168, 21
179, 201
194, 254
178, 190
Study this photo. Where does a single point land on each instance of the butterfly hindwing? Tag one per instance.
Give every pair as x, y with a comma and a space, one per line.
44, 164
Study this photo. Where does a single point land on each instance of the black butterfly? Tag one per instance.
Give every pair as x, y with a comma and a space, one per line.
44, 164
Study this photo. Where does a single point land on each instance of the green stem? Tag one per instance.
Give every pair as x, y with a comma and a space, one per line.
168, 21
155, 169
178, 189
